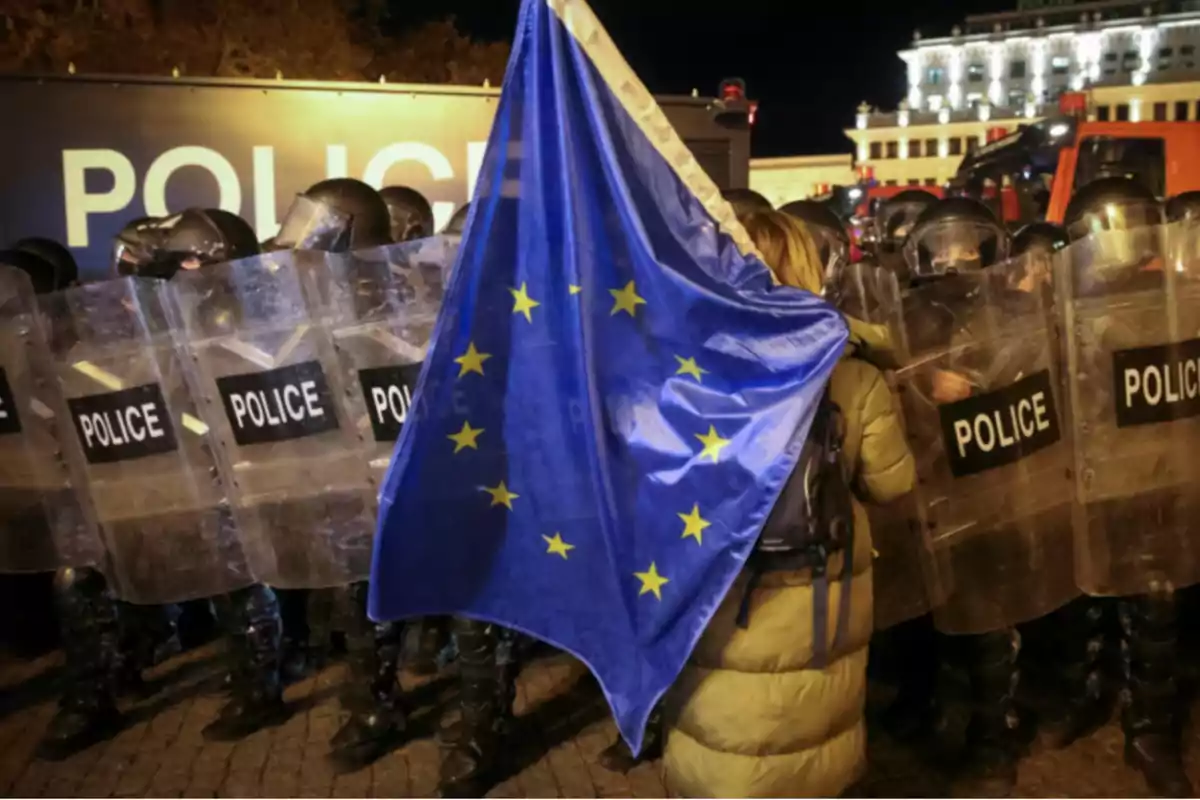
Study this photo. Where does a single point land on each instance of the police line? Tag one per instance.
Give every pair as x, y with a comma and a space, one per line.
281, 381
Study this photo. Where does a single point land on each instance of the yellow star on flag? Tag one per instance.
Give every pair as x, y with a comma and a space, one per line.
694, 524
557, 546
471, 361
501, 496
523, 303
575, 289
651, 581
688, 366
465, 438
626, 300
713, 444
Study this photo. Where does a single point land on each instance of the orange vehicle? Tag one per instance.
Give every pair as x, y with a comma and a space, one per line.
1040, 167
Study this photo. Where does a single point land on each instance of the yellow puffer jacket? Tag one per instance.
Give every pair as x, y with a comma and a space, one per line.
750, 716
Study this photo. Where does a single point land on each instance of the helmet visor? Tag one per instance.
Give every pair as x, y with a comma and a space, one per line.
311, 225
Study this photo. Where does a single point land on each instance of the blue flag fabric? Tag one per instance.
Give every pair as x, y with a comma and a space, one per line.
615, 394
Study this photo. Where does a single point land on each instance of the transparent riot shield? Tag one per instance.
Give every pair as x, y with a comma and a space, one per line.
381, 306
273, 394
44, 521
902, 590
867, 291
984, 420
1131, 318
144, 453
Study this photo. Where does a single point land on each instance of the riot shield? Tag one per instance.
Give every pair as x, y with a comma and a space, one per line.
867, 291
979, 391
380, 306
902, 589
273, 394
44, 521
144, 453
1131, 329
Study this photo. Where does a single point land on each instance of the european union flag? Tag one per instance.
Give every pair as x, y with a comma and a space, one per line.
615, 394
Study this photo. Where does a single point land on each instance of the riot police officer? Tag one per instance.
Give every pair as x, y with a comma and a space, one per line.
894, 219
829, 234
342, 215
159, 248
995, 504
87, 609
1136, 534
410, 213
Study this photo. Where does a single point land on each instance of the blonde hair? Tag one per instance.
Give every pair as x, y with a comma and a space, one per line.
787, 248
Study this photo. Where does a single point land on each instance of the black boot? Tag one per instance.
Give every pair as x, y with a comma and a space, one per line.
149, 636
993, 734
430, 637
1150, 700
293, 612
913, 713
472, 747
1084, 683
87, 615
251, 619
618, 757
371, 692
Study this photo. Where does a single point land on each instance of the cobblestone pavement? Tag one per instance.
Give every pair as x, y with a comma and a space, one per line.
563, 726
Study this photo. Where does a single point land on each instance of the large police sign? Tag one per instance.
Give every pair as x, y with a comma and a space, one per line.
91, 154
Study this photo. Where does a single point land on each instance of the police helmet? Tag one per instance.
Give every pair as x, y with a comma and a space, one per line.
458, 223
954, 235
745, 201
335, 215
410, 213
1111, 204
158, 248
1184, 207
1039, 237
41, 272
828, 231
66, 271
895, 216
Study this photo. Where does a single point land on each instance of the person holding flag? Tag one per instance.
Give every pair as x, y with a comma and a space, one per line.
771, 702
616, 392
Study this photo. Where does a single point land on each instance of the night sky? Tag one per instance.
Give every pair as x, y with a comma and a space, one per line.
808, 68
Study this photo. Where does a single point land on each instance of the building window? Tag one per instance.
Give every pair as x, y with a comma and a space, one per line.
1165, 52
914, 181
893, 149
974, 99
1103, 113
1110, 58
1197, 117
955, 146
914, 148
974, 73
931, 181
934, 75
1181, 111
1060, 65
1131, 60
972, 144
1160, 112
876, 151
1016, 98
931, 148
1187, 50
1122, 112
1016, 70
890, 182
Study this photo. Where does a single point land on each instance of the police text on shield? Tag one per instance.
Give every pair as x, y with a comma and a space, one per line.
1156, 384
124, 425
277, 405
